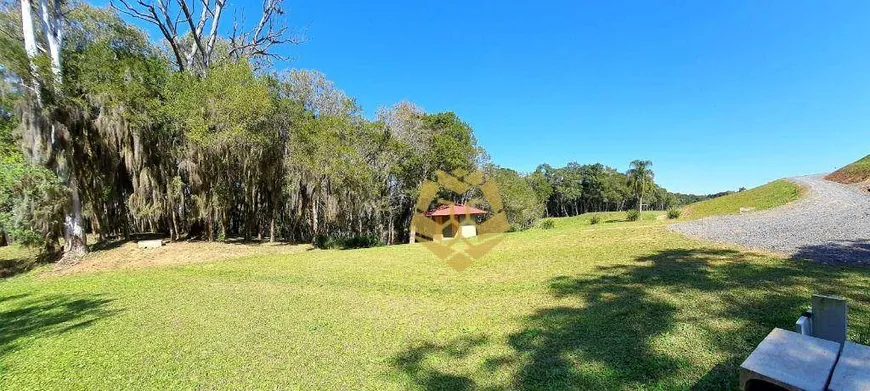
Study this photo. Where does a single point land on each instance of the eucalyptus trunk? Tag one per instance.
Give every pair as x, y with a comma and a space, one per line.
74, 233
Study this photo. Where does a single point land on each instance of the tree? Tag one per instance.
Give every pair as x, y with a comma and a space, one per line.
44, 116
542, 188
521, 204
640, 178
194, 48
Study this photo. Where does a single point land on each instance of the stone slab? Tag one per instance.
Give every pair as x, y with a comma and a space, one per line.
852, 372
156, 243
790, 360
829, 318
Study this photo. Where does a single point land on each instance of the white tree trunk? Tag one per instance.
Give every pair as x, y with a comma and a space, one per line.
74, 231
30, 43
52, 25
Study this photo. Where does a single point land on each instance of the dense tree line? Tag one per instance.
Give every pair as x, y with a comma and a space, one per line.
103, 131
576, 189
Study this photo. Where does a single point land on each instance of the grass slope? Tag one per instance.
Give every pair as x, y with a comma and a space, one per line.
773, 194
856, 172
15, 259
610, 306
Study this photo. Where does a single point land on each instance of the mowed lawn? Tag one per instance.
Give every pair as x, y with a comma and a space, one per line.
612, 306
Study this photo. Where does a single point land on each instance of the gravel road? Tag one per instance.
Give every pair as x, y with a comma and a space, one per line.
831, 224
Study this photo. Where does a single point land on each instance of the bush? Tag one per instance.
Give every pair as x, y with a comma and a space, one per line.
674, 213
333, 242
595, 219
632, 215
548, 224
362, 241
32, 202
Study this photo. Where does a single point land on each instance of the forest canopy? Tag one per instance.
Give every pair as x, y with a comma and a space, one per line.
199, 135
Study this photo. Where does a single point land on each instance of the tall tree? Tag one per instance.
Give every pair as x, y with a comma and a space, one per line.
194, 47
640, 178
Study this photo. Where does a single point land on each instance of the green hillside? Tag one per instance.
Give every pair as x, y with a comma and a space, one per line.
856, 172
768, 196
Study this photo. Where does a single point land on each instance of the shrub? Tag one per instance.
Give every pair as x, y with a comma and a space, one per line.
326, 242
362, 241
335, 242
632, 215
548, 224
674, 213
595, 219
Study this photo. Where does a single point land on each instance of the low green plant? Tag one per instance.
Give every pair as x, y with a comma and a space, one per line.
674, 213
327, 242
595, 219
548, 224
632, 215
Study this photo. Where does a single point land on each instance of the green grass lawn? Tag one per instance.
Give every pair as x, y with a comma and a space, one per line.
610, 306
856, 172
773, 194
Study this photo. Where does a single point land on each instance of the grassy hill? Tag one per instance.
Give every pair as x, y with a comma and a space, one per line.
856, 172
616, 305
773, 194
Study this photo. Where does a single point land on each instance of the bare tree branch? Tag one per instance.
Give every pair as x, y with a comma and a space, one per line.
212, 34
259, 42
203, 18
150, 16
266, 35
194, 32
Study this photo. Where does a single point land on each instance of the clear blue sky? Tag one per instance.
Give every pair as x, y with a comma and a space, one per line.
718, 95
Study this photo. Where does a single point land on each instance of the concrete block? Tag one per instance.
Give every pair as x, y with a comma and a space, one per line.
791, 361
852, 372
468, 231
829, 318
156, 243
804, 325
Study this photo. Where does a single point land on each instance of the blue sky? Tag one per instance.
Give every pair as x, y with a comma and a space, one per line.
718, 95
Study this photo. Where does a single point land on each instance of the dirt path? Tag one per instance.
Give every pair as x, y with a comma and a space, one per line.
129, 256
831, 225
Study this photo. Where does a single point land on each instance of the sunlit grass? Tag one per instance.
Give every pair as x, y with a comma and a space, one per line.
773, 194
608, 306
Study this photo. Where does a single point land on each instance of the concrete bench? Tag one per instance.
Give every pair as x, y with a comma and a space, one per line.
811, 358
155, 243
791, 361
853, 369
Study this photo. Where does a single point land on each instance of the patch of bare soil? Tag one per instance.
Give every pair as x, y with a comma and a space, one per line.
128, 255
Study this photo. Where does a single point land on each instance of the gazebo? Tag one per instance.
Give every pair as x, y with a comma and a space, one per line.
460, 218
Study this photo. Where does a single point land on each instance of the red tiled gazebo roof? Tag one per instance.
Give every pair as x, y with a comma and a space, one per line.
458, 209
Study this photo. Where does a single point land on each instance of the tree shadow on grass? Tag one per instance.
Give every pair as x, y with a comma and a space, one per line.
31, 317
674, 319
413, 362
610, 335
851, 252
614, 337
